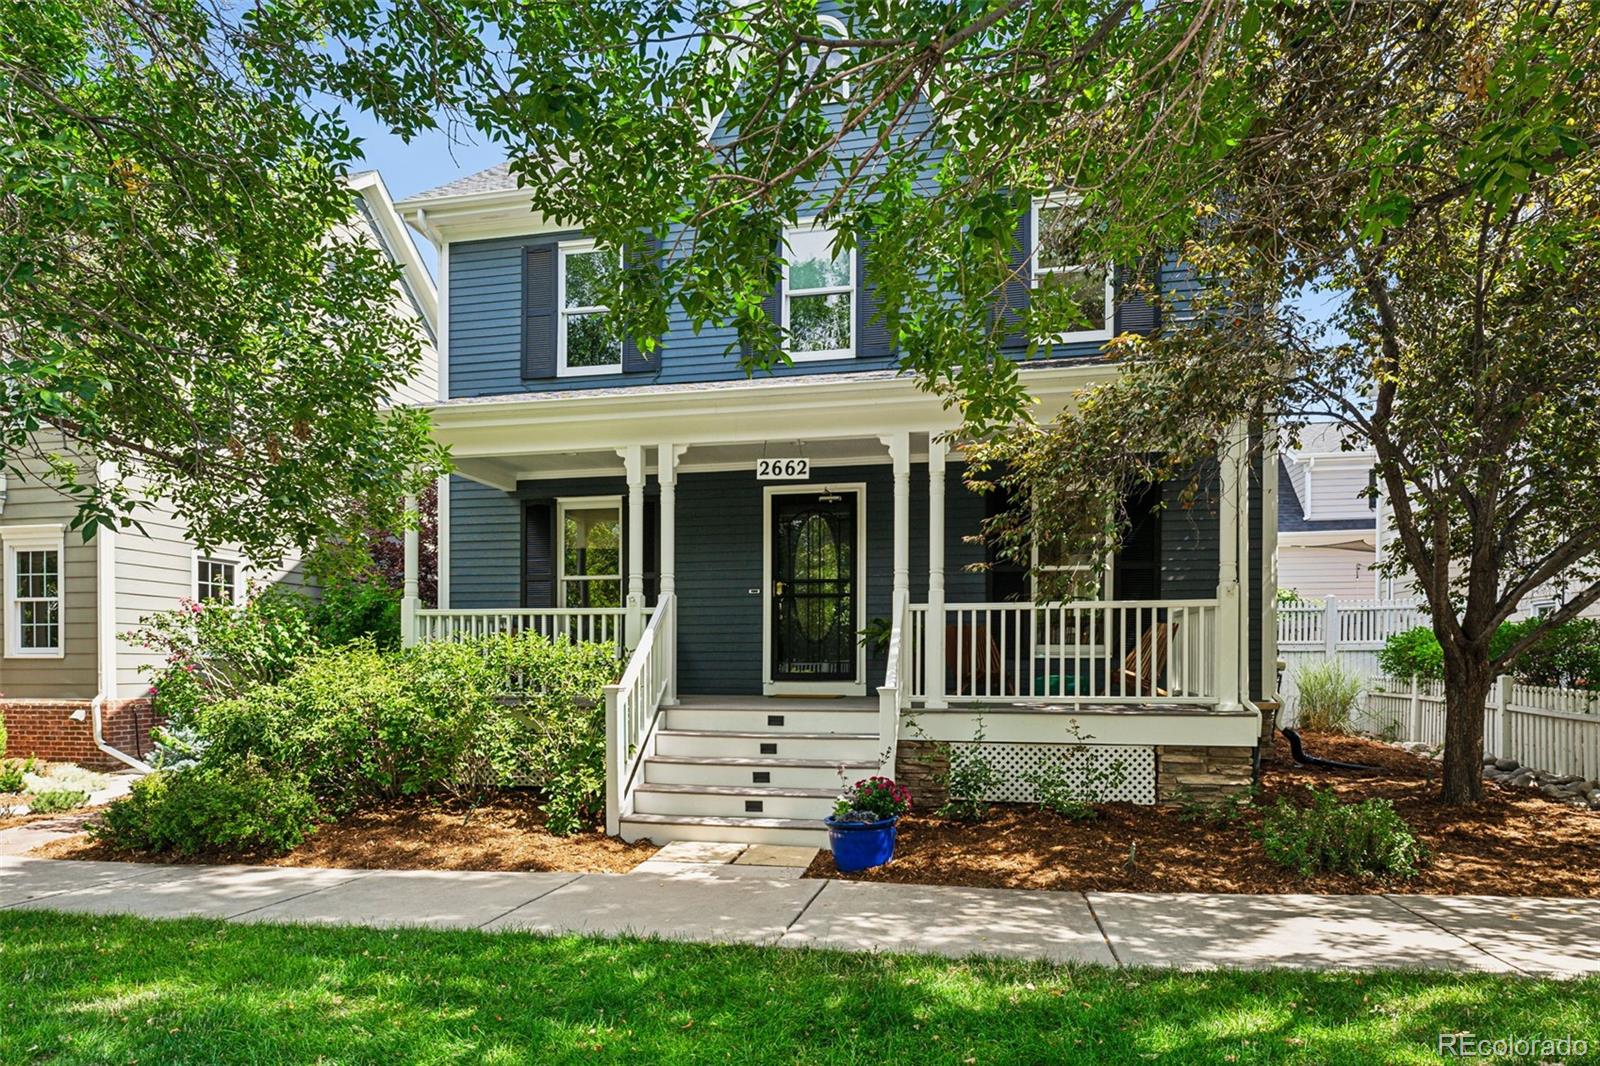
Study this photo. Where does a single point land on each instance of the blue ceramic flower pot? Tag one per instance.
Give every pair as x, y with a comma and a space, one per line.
861, 845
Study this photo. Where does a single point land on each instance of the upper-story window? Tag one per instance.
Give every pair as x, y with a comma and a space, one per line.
819, 306
826, 63
585, 341
33, 564
1058, 263
215, 580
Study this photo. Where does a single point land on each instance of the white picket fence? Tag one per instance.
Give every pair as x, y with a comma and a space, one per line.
1554, 729
1351, 631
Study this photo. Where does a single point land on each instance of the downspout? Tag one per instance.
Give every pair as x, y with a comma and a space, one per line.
106, 626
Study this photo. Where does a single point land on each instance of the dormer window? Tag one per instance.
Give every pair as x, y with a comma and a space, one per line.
1058, 264
818, 295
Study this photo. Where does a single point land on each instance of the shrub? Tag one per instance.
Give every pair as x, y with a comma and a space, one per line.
1568, 656
872, 799
1413, 653
11, 777
353, 608
1327, 696
55, 800
1070, 786
210, 808
1366, 839
971, 780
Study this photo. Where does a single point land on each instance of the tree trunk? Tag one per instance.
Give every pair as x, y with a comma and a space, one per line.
1467, 681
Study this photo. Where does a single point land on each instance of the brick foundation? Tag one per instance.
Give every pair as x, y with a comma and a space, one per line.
46, 728
921, 766
1201, 774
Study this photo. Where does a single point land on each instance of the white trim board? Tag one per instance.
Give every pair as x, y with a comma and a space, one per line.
769, 687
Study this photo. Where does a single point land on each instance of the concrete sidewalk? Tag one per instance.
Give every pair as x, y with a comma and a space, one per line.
1537, 937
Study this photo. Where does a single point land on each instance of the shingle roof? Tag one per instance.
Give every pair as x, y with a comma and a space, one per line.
1292, 516
497, 178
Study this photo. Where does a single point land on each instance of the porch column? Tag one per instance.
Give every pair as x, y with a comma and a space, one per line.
413, 564
900, 452
667, 473
1231, 465
442, 547
633, 465
933, 639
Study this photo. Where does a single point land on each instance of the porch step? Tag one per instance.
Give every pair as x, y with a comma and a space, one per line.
806, 832
843, 747
778, 772
734, 801
755, 717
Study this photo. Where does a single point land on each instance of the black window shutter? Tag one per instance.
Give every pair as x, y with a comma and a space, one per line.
539, 318
873, 340
772, 303
1135, 311
1018, 284
635, 361
539, 554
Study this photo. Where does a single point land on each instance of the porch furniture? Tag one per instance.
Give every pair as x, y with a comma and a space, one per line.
972, 661
1146, 663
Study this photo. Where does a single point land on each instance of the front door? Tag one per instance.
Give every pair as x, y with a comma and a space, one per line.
814, 594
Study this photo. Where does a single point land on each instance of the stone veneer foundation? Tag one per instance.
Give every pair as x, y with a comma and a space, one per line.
47, 729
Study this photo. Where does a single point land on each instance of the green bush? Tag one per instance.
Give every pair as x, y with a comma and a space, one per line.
56, 800
1367, 839
353, 608
1566, 657
210, 808
1328, 694
2, 739
1413, 653
10, 777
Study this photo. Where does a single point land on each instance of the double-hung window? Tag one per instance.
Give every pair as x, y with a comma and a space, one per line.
1058, 266
215, 580
33, 570
586, 340
590, 553
819, 305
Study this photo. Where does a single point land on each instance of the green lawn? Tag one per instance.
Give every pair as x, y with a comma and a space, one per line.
113, 990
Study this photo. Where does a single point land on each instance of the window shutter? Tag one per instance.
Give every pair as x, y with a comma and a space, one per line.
1135, 311
873, 340
1018, 285
539, 554
539, 314
635, 361
772, 303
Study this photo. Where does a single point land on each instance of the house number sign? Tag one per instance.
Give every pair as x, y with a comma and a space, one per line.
783, 469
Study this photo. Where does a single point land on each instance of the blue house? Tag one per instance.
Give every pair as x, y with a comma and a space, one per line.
737, 535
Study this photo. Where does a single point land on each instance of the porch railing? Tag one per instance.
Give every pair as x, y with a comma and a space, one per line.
1111, 651
633, 704
894, 695
596, 625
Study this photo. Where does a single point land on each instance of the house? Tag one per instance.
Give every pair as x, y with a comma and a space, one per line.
72, 687
1328, 530
737, 534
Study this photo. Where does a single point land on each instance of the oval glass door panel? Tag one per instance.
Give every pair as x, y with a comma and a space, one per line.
814, 587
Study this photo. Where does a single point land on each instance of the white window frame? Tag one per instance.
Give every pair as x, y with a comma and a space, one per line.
563, 250
826, 23
583, 503
26, 539
226, 560
810, 227
1036, 567
1036, 272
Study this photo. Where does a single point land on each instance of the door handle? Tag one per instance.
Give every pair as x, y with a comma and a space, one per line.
777, 588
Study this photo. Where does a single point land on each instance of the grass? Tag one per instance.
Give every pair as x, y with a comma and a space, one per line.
84, 989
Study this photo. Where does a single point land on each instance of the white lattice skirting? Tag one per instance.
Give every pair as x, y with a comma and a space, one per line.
1016, 762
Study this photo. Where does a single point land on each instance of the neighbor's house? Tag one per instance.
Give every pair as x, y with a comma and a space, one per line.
70, 686
1328, 531
736, 534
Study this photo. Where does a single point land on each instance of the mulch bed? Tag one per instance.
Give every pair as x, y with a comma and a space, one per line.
1511, 844
505, 834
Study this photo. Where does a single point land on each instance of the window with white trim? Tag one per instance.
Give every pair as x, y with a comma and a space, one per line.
819, 302
33, 596
586, 342
589, 573
1058, 265
215, 580
830, 59
1050, 559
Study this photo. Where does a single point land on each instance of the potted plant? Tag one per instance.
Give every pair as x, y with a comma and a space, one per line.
861, 829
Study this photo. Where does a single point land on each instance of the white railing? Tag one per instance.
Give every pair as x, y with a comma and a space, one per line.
1108, 651
634, 702
894, 694
1553, 729
1336, 625
588, 625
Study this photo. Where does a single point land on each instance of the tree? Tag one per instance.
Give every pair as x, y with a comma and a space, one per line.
171, 302
1430, 169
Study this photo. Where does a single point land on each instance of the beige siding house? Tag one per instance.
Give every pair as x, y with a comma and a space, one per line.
70, 686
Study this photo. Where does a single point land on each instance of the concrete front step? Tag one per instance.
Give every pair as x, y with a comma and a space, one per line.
783, 719
807, 832
780, 772
843, 747
734, 801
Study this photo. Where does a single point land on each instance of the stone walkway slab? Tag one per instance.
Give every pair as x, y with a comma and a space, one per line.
22, 880
698, 851
720, 871
194, 891
777, 855
742, 910
445, 899
865, 916
1549, 937
1201, 931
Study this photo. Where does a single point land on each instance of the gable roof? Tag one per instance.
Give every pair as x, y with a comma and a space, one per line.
1292, 516
497, 178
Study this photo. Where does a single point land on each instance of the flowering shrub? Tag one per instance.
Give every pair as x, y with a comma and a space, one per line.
872, 800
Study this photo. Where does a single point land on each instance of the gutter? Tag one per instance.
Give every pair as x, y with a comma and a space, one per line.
106, 624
